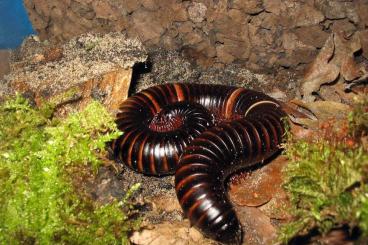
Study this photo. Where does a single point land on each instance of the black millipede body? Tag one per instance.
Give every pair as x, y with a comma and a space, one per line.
203, 133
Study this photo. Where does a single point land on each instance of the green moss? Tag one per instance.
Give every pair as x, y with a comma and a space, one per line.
327, 183
38, 203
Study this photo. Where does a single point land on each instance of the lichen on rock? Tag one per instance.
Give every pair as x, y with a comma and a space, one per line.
95, 65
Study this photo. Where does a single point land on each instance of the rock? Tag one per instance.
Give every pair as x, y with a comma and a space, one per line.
237, 16
362, 8
334, 10
57, 14
260, 186
290, 41
42, 7
207, 48
83, 10
146, 26
197, 12
179, 12
343, 26
274, 6
192, 38
258, 229
238, 49
257, 26
344, 56
303, 55
218, 11
249, 7
261, 40
150, 5
270, 21
84, 2
130, 5
87, 67
352, 14
38, 22
311, 36
223, 55
276, 93
321, 71
121, 24
185, 27
309, 16
230, 29
305, 15
232, 26
73, 17
170, 233
195, 235
165, 203
363, 35
4, 62
104, 10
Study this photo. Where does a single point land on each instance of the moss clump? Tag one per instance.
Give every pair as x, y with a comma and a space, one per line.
38, 203
327, 182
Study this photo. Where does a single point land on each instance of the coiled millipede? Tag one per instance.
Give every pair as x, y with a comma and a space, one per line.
203, 134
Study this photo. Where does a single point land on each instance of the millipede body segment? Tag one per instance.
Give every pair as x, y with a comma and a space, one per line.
203, 134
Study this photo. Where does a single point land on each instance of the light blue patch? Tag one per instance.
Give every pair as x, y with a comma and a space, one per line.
14, 24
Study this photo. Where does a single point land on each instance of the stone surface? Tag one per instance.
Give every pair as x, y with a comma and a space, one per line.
257, 28
362, 8
145, 26
259, 187
170, 233
197, 12
364, 42
305, 15
87, 67
274, 6
343, 26
311, 35
104, 10
4, 62
249, 7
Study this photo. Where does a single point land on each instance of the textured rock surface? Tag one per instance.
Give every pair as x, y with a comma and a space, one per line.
4, 62
90, 66
261, 34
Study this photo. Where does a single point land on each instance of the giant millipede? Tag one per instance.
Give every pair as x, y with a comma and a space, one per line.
203, 134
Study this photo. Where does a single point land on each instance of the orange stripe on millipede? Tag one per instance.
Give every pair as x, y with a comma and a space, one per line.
267, 137
166, 95
274, 130
153, 100
189, 178
143, 100
125, 137
172, 93
249, 143
231, 101
191, 191
140, 154
131, 148
200, 201
179, 92
258, 140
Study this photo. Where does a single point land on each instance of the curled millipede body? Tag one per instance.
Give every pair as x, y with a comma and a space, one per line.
203, 133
